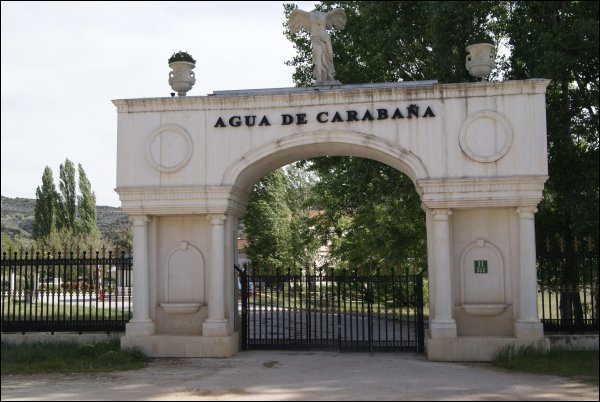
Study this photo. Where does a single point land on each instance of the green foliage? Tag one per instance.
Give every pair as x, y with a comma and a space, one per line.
303, 241
412, 40
59, 239
399, 41
64, 357
18, 216
372, 216
181, 56
559, 41
67, 198
86, 206
74, 221
123, 239
46, 206
267, 222
452, 26
8, 243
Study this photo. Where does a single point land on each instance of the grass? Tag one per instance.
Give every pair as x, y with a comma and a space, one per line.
578, 365
67, 357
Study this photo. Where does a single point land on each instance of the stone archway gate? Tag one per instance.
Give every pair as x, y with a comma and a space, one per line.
476, 153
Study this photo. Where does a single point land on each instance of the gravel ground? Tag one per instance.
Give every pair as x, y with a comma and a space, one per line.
276, 375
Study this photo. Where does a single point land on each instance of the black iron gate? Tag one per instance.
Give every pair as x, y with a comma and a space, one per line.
328, 311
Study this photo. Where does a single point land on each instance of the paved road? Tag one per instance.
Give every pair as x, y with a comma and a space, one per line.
271, 375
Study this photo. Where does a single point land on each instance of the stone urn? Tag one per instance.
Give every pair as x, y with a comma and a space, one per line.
182, 78
480, 60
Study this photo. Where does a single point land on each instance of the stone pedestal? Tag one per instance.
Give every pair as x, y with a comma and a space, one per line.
529, 330
184, 345
139, 328
214, 328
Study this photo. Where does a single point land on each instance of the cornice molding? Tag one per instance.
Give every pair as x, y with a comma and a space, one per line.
524, 191
182, 200
346, 95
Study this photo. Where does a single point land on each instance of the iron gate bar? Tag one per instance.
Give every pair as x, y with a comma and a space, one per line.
32, 299
324, 311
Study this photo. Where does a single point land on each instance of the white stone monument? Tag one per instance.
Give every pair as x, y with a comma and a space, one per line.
476, 153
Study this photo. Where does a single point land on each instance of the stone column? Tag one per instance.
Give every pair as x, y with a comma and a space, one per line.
140, 323
215, 324
527, 325
442, 325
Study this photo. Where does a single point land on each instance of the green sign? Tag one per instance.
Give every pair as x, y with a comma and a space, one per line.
480, 266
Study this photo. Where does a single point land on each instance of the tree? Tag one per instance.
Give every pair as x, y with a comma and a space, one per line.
413, 40
67, 197
372, 212
426, 40
559, 41
64, 220
46, 206
86, 207
304, 243
372, 216
267, 222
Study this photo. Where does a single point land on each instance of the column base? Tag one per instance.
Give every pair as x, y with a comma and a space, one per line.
215, 328
163, 345
442, 330
139, 328
529, 329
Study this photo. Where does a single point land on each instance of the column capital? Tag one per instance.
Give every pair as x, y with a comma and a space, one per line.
217, 219
139, 220
441, 213
526, 212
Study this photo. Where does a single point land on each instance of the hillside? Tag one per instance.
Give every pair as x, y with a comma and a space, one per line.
18, 216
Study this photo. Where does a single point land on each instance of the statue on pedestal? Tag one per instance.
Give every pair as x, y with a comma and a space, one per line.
316, 24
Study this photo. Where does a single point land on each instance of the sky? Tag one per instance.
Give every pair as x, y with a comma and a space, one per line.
63, 63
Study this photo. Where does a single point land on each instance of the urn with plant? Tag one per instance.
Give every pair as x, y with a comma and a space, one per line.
182, 78
481, 58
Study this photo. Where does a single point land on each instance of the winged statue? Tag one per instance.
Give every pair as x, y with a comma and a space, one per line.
316, 23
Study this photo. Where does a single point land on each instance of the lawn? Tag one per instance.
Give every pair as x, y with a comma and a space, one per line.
67, 357
579, 365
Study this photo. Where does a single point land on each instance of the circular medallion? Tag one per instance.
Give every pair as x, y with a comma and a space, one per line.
169, 148
486, 136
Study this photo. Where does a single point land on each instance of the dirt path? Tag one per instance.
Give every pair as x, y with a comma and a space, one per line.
271, 375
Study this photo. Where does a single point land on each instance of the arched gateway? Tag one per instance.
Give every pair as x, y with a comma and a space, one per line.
476, 153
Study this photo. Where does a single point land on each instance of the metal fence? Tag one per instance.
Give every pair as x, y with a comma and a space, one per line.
65, 291
332, 311
568, 286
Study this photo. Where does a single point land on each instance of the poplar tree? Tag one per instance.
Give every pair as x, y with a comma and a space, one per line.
86, 206
46, 206
67, 197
